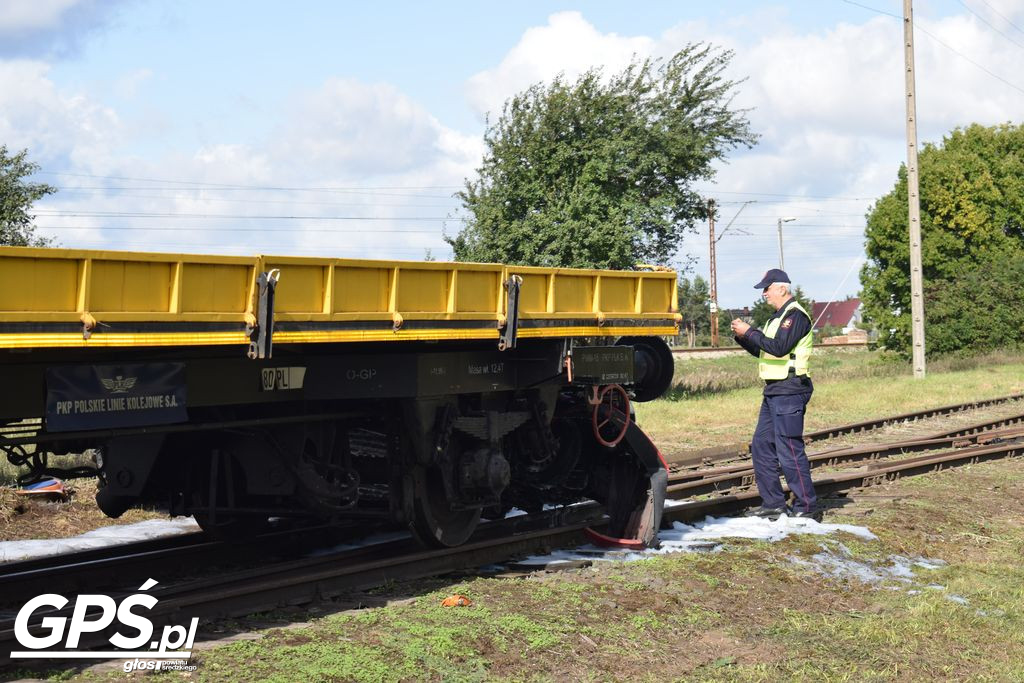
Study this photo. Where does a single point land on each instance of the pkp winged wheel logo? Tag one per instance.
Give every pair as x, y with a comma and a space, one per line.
120, 384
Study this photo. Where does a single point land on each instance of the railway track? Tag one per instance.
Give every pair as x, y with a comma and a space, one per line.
705, 456
310, 579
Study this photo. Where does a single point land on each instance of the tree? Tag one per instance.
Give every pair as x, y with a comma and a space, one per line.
16, 198
761, 311
599, 172
972, 226
694, 306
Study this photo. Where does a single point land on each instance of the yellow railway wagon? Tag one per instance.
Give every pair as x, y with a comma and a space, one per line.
68, 297
428, 395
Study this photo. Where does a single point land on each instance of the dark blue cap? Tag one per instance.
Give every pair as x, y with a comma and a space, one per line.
773, 275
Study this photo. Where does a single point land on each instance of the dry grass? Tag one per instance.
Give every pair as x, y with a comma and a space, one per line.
848, 388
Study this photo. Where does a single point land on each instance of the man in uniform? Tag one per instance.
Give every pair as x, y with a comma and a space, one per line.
783, 349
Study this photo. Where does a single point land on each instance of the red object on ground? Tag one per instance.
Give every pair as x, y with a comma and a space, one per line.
600, 539
48, 488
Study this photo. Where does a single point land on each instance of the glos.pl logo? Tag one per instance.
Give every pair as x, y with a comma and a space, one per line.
94, 613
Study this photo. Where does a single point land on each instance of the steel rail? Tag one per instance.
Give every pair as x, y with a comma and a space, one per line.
957, 438
704, 456
724, 478
861, 478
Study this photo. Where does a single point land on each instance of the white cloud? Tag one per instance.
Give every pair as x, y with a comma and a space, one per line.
50, 27
345, 138
52, 124
568, 44
358, 129
22, 15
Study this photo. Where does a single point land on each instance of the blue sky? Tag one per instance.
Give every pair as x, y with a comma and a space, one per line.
342, 129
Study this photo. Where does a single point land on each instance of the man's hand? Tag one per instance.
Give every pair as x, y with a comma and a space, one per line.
739, 328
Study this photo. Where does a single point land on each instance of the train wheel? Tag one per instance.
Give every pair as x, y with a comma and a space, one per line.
434, 522
220, 484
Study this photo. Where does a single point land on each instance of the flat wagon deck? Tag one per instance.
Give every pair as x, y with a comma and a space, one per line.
68, 298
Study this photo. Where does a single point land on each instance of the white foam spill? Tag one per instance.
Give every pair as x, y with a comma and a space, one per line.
116, 534
704, 537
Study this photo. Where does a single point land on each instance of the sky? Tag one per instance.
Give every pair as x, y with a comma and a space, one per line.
344, 129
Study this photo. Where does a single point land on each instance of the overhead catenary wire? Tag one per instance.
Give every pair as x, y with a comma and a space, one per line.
996, 12
987, 23
238, 186
941, 42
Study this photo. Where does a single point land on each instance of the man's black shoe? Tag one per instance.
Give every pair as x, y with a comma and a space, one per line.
771, 514
816, 515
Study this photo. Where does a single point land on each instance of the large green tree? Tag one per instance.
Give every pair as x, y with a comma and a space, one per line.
599, 172
694, 306
972, 225
16, 198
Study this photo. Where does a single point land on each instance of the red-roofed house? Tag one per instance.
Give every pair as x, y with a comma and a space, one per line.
841, 314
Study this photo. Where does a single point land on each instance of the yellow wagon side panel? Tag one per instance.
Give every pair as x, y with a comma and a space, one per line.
617, 294
361, 290
573, 294
659, 296
130, 286
38, 285
533, 293
214, 288
477, 291
422, 291
301, 288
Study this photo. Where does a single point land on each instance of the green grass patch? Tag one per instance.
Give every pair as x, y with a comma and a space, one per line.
849, 387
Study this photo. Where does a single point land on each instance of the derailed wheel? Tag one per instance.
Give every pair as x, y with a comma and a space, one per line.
216, 489
434, 521
631, 483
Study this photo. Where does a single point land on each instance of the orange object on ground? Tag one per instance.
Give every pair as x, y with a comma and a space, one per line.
48, 488
456, 601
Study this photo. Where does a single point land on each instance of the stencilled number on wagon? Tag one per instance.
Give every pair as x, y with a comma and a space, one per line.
282, 379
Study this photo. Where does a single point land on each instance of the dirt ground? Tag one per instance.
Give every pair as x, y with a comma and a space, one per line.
31, 517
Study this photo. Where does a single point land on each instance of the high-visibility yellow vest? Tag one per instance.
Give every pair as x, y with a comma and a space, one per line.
775, 367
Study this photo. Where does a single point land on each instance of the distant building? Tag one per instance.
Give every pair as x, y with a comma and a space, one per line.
843, 315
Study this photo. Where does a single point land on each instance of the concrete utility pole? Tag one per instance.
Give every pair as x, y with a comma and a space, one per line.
914, 201
714, 276
782, 262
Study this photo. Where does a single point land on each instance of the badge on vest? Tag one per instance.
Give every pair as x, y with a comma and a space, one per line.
787, 323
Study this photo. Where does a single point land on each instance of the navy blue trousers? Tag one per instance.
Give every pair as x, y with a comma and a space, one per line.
778, 444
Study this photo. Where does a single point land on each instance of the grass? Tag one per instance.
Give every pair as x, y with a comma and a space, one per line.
848, 387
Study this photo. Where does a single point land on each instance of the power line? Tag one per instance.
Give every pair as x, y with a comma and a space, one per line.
142, 214
91, 191
873, 9
794, 196
942, 43
238, 186
986, 22
206, 228
965, 57
996, 12
243, 248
